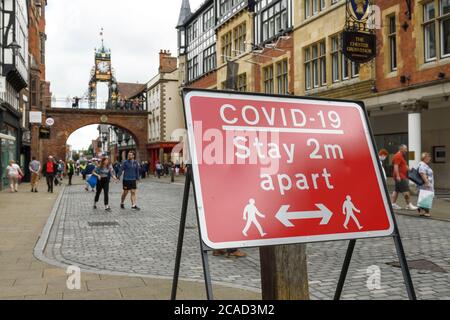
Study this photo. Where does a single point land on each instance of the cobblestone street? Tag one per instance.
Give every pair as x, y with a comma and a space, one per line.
144, 243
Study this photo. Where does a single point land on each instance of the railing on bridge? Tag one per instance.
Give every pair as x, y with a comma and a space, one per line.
83, 103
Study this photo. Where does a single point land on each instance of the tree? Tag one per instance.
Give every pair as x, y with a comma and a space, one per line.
90, 151
76, 156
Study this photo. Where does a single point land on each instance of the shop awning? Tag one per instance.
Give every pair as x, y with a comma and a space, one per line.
7, 137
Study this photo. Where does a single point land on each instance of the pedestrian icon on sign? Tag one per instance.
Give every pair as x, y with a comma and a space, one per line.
250, 213
348, 209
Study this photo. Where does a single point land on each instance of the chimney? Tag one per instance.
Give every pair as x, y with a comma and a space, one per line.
167, 63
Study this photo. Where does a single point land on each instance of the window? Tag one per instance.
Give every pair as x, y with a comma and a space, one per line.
313, 7
282, 77
239, 39
274, 20
315, 65
242, 82
43, 38
227, 5
323, 64
194, 30
195, 70
190, 33
445, 27
190, 70
335, 59
308, 82
430, 31
209, 59
34, 93
208, 19
268, 79
436, 29
341, 67
226, 47
392, 36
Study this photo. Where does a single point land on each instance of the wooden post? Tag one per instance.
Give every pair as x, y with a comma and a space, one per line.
284, 274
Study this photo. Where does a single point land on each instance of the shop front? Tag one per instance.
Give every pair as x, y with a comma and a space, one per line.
8, 150
163, 152
425, 129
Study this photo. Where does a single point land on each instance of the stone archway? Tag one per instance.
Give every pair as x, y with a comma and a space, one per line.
67, 121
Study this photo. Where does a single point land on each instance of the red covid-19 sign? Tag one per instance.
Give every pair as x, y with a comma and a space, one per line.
277, 170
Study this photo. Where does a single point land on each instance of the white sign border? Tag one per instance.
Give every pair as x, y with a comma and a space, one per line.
278, 241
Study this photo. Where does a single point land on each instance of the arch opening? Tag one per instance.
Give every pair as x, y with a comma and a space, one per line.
101, 140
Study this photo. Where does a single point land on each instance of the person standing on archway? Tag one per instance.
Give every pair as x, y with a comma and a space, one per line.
130, 169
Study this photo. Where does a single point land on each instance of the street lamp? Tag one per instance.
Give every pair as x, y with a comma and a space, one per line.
15, 47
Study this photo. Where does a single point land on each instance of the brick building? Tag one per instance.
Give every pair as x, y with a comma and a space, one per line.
412, 82
295, 47
242, 45
165, 112
39, 96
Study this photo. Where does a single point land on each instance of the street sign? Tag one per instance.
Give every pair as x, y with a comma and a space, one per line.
36, 117
271, 170
49, 122
359, 47
44, 133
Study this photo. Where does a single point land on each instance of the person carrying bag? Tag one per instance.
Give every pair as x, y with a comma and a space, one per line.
426, 190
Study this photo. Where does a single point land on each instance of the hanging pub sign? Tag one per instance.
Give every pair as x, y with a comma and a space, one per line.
358, 39
359, 47
358, 8
44, 133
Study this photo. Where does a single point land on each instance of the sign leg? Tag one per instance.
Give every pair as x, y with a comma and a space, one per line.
347, 260
176, 274
207, 274
404, 265
204, 251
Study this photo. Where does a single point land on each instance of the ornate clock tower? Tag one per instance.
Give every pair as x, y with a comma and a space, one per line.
103, 72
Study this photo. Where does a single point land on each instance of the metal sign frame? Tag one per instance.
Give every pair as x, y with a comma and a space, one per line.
204, 249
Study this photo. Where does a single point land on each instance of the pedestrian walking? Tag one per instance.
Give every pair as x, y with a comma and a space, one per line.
60, 170
382, 156
427, 189
400, 175
70, 167
103, 172
14, 174
116, 167
177, 168
88, 172
35, 169
50, 172
130, 171
83, 170
159, 169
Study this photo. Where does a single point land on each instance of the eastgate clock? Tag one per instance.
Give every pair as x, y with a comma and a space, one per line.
103, 66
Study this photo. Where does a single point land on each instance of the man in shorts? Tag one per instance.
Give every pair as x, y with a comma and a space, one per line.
400, 176
130, 169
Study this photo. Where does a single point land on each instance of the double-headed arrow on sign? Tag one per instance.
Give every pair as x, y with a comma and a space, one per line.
285, 217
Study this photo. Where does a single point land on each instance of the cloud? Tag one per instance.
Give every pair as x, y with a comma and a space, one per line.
134, 30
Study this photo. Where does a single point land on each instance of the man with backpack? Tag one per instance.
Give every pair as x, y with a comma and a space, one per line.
50, 170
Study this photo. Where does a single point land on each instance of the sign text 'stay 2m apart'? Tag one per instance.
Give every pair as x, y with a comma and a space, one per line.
276, 170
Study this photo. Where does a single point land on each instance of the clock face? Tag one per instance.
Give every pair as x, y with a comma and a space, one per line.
103, 66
